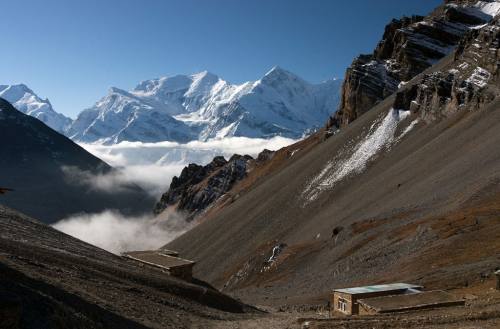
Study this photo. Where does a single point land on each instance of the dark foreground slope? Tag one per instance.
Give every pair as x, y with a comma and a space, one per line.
409, 195
51, 175
53, 280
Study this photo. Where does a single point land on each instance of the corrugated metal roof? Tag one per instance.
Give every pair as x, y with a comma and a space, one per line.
378, 288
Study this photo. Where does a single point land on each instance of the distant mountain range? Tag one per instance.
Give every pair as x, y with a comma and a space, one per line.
201, 106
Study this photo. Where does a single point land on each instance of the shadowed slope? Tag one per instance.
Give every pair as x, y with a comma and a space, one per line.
58, 281
32, 162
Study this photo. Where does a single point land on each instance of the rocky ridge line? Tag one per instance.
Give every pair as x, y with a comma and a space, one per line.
408, 47
467, 85
198, 187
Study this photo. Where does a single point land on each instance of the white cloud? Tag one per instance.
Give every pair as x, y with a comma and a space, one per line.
154, 179
116, 233
138, 153
152, 165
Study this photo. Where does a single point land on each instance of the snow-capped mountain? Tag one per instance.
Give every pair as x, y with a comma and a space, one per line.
26, 101
203, 106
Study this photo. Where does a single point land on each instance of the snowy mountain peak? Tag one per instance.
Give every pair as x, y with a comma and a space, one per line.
16, 91
177, 83
26, 101
115, 90
279, 73
275, 69
203, 106
204, 75
162, 85
282, 79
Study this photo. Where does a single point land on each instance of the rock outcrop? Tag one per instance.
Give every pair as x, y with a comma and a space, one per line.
408, 47
199, 186
465, 86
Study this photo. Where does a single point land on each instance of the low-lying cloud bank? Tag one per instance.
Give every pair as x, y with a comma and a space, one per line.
116, 233
150, 166
152, 178
138, 153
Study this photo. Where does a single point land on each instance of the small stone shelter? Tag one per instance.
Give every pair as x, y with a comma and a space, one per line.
165, 260
346, 300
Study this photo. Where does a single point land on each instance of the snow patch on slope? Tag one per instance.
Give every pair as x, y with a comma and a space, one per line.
381, 135
488, 8
479, 77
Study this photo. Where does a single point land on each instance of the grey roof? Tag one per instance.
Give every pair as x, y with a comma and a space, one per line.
157, 259
378, 288
411, 301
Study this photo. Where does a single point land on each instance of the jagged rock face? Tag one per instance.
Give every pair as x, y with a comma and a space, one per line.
367, 81
409, 46
465, 86
199, 186
265, 155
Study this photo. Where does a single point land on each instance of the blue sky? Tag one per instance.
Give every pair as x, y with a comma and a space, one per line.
73, 51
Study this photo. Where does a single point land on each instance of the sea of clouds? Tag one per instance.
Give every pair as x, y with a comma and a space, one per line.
150, 166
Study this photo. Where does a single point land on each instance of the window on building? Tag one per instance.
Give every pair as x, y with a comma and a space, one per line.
342, 305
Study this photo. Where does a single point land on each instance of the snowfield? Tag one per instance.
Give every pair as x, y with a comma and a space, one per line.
381, 136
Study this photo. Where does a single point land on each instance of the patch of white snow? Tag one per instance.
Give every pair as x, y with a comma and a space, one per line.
380, 136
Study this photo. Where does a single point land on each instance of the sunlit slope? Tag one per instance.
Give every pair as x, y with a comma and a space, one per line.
388, 197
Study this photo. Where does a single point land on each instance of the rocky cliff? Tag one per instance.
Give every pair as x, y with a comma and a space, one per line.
466, 85
408, 47
198, 187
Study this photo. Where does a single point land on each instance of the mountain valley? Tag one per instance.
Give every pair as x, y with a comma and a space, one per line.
391, 175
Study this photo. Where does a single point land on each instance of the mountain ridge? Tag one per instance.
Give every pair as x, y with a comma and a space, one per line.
408, 47
26, 101
203, 106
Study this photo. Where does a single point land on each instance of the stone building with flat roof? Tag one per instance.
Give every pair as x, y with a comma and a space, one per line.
165, 260
345, 300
